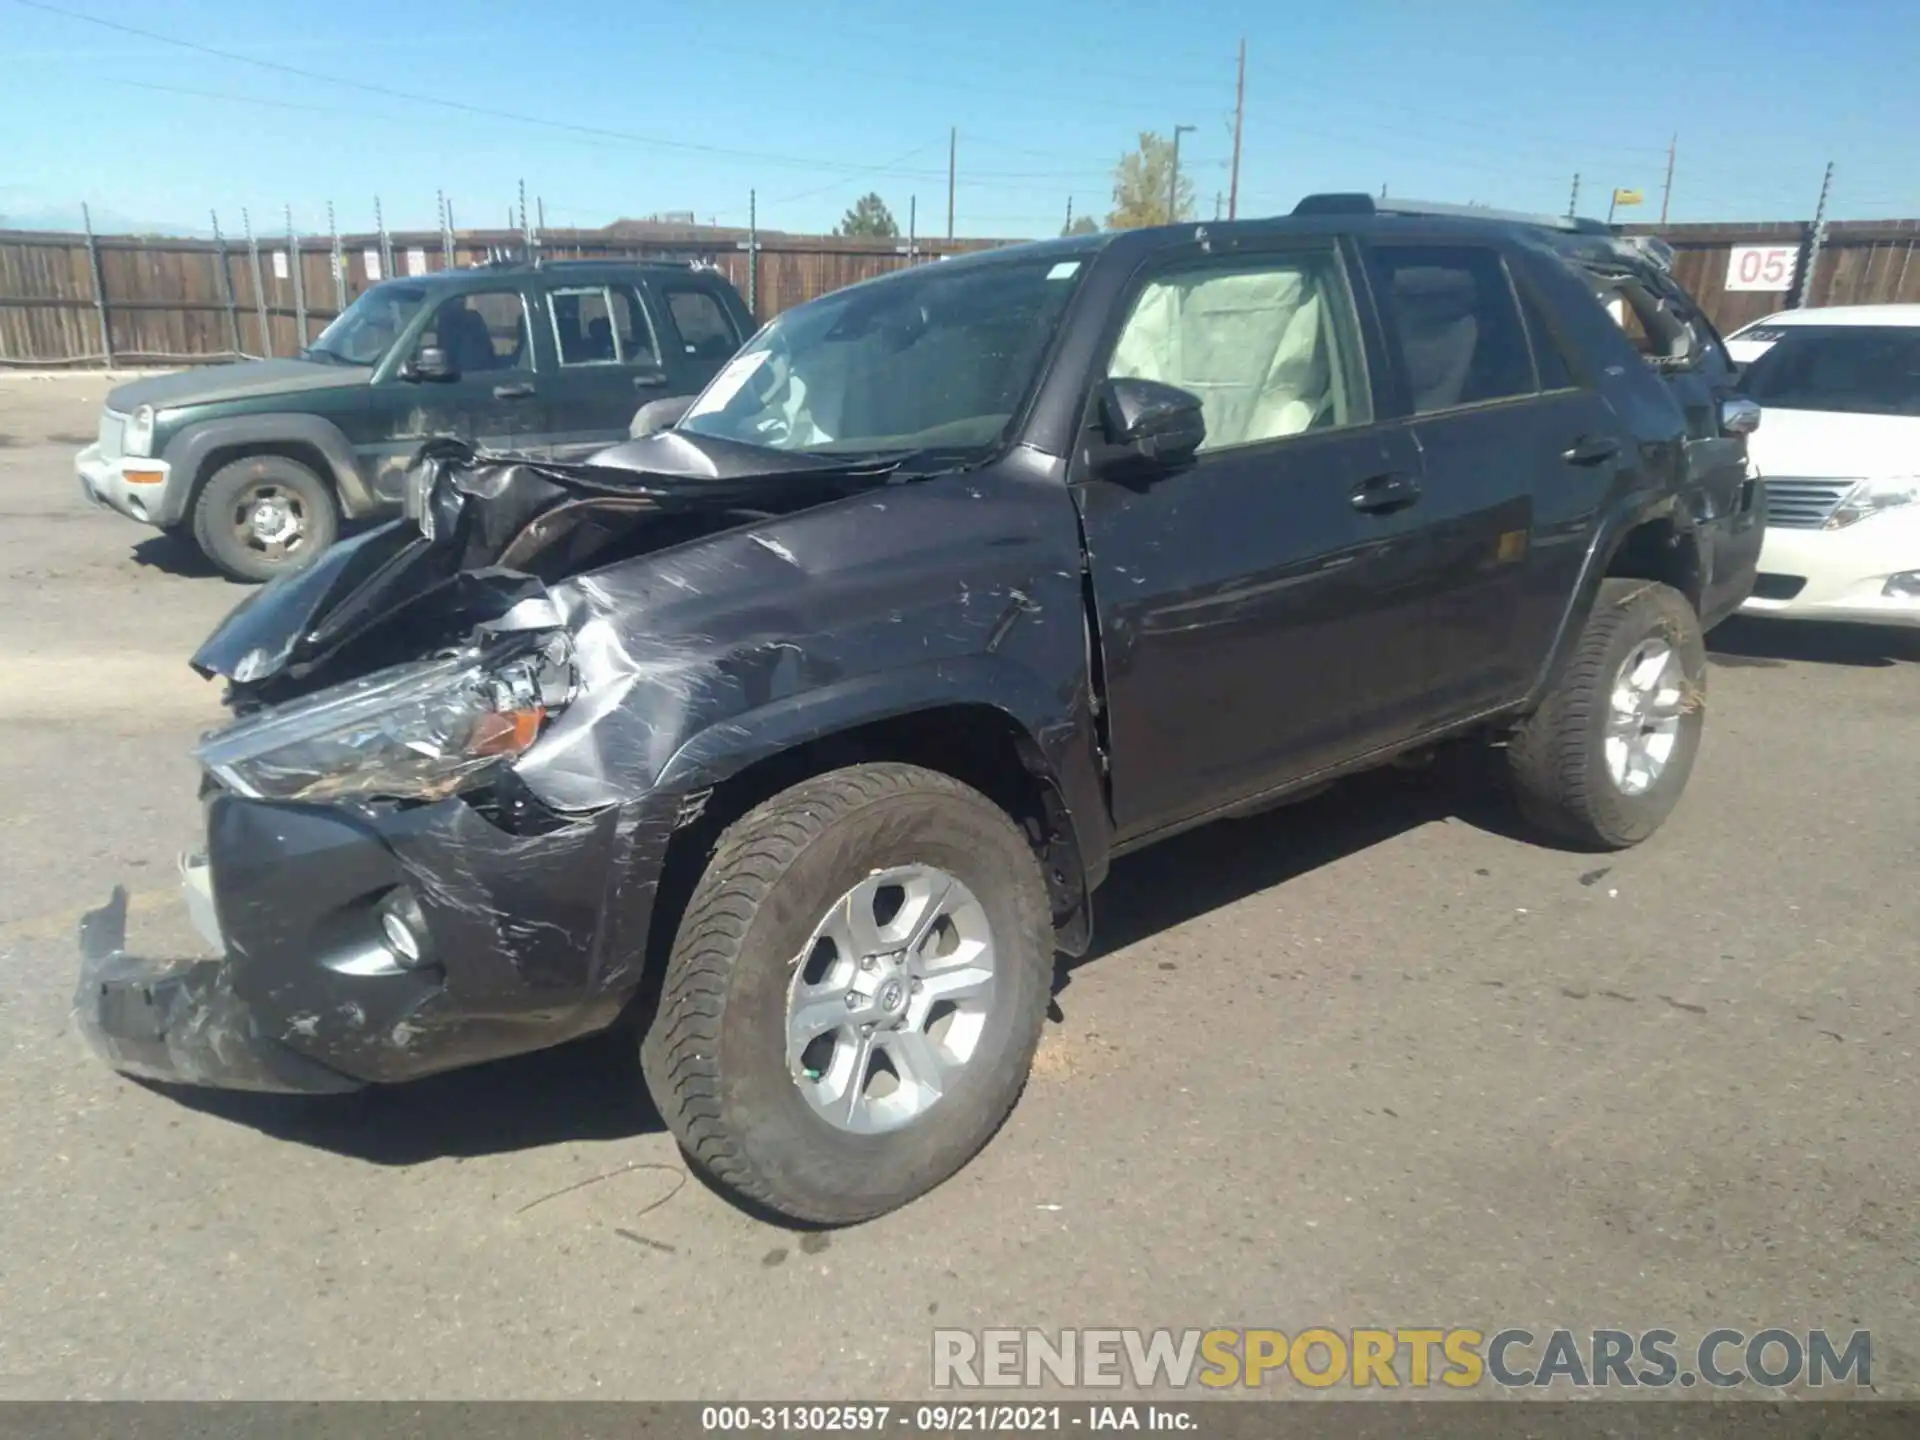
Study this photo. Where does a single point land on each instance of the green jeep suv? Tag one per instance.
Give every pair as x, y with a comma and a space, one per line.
260, 463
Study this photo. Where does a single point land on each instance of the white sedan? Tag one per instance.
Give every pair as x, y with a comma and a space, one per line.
1839, 450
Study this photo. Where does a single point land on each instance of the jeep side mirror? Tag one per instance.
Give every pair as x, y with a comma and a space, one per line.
1146, 420
431, 363
1739, 415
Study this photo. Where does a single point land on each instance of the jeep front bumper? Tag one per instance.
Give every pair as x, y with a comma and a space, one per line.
139, 488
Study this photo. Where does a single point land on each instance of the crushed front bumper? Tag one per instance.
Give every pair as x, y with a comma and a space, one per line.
527, 940
179, 1020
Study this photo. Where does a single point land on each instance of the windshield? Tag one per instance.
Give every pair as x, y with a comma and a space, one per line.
937, 358
1854, 369
366, 329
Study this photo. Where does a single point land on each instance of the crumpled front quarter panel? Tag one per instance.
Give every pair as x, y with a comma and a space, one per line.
964, 588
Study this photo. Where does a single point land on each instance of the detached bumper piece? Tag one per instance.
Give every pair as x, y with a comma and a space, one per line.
178, 1021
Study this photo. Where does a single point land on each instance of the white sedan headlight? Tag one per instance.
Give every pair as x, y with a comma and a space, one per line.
415, 732
1870, 497
137, 438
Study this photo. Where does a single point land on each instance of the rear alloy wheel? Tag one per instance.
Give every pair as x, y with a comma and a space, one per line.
855, 993
263, 516
1604, 759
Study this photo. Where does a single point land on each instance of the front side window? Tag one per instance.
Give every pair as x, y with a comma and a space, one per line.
481, 332
1854, 369
366, 330
706, 330
602, 325
941, 357
1450, 311
1267, 345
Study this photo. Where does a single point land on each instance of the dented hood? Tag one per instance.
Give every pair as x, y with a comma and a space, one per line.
482, 534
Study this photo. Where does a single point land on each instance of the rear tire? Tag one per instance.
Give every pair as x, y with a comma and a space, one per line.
1604, 760
766, 952
264, 516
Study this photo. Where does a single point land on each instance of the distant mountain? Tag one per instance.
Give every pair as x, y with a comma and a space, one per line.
105, 222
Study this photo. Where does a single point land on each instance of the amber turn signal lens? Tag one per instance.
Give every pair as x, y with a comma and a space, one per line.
507, 732
144, 477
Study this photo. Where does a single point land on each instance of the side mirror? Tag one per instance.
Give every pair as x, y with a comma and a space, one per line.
1148, 421
657, 415
431, 363
1739, 416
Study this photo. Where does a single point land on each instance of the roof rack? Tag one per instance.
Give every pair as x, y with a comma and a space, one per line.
1357, 203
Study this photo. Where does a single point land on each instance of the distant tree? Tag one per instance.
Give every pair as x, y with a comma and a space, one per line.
869, 216
1140, 186
1081, 225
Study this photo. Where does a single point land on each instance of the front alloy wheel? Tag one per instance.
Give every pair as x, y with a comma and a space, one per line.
890, 998
855, 993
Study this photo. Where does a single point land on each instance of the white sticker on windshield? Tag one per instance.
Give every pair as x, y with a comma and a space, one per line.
1064, 269
727, 383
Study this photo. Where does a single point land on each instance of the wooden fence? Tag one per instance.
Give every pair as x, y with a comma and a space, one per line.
71, 300
1861, 262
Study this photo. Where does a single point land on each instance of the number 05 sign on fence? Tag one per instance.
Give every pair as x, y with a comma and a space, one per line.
1762, 267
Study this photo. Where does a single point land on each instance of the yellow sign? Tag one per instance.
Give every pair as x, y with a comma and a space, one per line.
1628, 197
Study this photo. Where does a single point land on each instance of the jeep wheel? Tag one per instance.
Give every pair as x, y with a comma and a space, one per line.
855, 993
1604, 759
264, 516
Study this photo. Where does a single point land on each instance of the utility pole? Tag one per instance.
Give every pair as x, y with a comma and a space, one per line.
1814, 244
953, 150
1173, 175
1666, 191
1068, 230
1573, 200
1239, 119
1216, 204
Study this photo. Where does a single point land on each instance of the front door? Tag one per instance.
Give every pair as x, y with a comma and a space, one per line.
1259, 609
609, 365
490, 401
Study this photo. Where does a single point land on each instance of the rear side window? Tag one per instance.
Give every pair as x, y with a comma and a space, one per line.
1856, 369
706, 330
1548, 359
1450, 312
602, 325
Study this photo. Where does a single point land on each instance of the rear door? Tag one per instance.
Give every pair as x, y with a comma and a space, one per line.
1259, 610
1495, 428
607, 364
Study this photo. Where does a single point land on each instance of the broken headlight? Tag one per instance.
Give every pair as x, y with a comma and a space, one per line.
415, 732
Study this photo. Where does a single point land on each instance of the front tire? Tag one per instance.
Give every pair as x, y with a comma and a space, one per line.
855, 993
1605, 758
264, 516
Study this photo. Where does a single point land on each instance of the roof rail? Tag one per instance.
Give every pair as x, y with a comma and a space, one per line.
1357, 203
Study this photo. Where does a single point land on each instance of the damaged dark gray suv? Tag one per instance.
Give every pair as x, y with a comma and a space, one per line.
801, 732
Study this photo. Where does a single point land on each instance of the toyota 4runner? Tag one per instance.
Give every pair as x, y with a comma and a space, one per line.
801, 733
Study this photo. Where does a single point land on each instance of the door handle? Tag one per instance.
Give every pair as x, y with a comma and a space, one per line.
649, 382
1381, 494
1591, 450
517, 391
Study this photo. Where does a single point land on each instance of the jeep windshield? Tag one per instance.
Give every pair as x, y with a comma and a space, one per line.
363, 332
937, 359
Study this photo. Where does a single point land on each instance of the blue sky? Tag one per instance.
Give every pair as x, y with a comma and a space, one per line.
634, 107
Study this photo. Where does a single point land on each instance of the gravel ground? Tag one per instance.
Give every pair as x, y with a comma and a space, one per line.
1377, 1059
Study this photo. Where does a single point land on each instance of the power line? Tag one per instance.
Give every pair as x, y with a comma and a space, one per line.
460, 106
